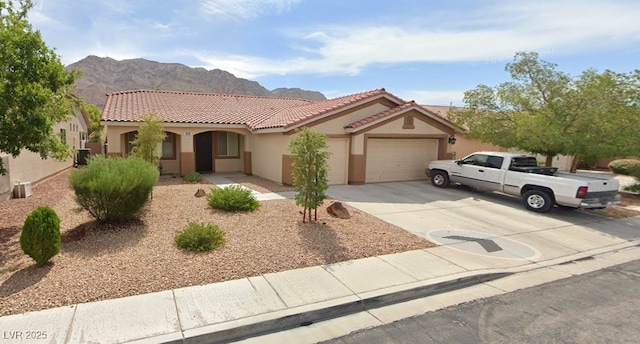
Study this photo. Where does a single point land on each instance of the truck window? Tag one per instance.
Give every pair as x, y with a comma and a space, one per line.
494, 161
525, 161
476, 159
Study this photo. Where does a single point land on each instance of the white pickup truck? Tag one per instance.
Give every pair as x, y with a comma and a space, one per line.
539, 187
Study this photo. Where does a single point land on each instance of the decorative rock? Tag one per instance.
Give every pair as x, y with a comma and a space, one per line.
200, 193
338, 210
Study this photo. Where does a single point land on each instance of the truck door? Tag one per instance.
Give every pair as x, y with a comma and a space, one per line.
493, 173
470, 171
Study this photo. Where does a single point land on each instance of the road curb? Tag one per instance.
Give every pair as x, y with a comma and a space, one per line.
290, 319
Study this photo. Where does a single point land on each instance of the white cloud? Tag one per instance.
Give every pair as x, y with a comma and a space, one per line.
245, 9
560, 27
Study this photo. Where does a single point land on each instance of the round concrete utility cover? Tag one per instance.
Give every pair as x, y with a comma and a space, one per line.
482, 244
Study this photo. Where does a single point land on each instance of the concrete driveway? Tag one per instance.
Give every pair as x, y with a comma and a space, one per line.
486, 225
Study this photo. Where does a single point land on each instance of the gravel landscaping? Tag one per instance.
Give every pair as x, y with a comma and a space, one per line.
99, 262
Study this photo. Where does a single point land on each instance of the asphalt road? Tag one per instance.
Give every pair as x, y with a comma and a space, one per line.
599, 307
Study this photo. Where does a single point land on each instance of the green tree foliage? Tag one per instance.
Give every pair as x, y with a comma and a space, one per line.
40, 237
309, 170
114, 189
544, 111
35, 90
148, 139
95, 128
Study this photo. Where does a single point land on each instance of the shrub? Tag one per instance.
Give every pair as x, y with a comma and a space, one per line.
114, 189
629, 167
233, 198
40, 237
200, 237
193, 177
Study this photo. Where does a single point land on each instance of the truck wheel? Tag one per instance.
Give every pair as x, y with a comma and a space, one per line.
537, 200
440, 179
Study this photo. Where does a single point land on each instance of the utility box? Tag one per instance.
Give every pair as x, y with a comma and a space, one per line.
83, 155
22, 190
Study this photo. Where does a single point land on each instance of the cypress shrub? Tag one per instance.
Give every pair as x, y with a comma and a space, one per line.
114, 189
40, 238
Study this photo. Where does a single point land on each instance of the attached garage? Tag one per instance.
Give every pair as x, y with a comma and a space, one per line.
338, 160
398, 159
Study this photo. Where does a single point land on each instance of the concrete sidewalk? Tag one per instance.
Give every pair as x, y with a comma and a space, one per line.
257, 306
322, 302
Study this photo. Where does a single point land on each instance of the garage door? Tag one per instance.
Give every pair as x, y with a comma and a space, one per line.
338, 160
390, 160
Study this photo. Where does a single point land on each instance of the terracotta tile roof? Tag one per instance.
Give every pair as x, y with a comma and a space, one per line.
254, 112
187, 107
382, 115
296, 115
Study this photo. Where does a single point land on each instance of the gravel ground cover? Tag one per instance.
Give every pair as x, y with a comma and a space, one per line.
99, 262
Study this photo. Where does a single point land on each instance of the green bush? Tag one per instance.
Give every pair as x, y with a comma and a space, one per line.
233, 198
114, 189
40, 237
629, 167
200, 237
193, 177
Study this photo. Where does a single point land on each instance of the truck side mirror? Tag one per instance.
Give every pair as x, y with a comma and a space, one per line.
458, 162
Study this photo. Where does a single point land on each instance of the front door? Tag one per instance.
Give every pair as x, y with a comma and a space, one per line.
203, 143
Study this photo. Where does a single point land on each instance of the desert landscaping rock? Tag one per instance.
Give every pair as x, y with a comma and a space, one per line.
112, 261
200, 193
338, 210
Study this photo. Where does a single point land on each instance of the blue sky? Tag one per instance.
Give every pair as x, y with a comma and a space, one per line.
428, 51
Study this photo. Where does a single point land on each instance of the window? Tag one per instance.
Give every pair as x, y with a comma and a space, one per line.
494, 161
168, 147
228, 144
63, 135
476, 159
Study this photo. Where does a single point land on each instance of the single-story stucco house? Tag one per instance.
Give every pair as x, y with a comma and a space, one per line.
373, 136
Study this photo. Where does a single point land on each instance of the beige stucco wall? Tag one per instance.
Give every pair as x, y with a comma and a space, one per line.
393, 128
336, 125
29, 167
5, 180
267, 155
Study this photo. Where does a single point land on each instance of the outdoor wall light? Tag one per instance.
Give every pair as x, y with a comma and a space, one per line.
452, 140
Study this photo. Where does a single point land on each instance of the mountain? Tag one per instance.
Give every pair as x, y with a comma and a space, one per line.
103, 75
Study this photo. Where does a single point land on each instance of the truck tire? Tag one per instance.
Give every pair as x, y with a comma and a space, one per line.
440, 179
537, 200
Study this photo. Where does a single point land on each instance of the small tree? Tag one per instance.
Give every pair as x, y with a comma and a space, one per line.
309, 170
149, 137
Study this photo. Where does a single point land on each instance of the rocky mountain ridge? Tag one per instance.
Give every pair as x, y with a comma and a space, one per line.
102, 75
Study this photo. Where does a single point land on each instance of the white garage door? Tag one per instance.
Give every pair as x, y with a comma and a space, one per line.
338, 160
390, 160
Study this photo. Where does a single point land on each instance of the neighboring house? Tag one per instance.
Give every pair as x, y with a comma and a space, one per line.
373, 136
28, 167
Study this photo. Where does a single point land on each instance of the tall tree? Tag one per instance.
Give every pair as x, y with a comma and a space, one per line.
544, 111
148, 139
309, 170
35, 90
